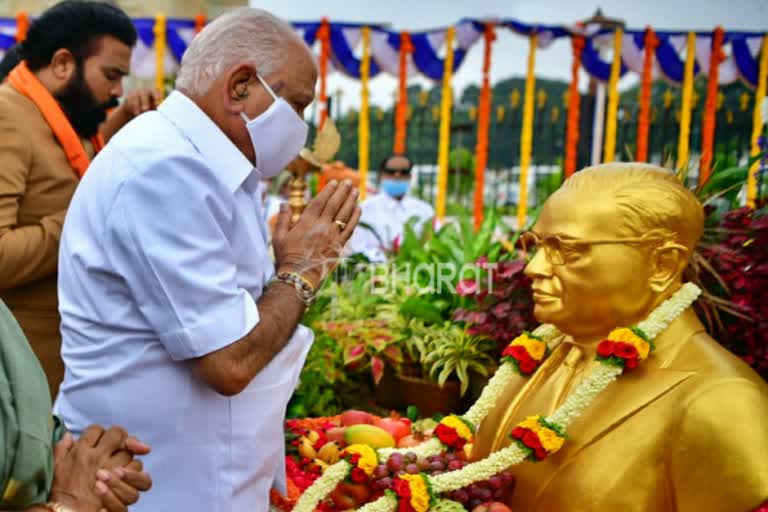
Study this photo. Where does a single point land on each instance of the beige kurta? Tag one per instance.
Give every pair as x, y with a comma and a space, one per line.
36, 186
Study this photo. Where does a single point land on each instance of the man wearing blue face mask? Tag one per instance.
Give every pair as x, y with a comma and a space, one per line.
176, 323
385, 214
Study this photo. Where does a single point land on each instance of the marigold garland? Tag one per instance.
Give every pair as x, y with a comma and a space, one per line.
444, 145
160, 30
324, 36
401, 113
683, 143
710, 106
526, 352
574, 109
536, 437
455, 432
644, 116
364, 123
757, 124
609, 154
22, 26
483, 124
526, 132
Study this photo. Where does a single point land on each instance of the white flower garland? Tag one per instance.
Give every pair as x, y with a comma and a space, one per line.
573, 407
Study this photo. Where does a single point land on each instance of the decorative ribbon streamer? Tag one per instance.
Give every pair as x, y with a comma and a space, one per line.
574, 108
324, 36
364, 129
526, 135
22, 26
710, 106
644, 116
401, 121
445, 127
685, 110
613, 99
200, 21
757, 123
483, 122
160, 35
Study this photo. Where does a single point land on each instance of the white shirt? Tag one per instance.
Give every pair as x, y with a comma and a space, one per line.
387, 217
162, 258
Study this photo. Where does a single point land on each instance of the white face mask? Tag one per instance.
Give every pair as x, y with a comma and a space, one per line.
277, 135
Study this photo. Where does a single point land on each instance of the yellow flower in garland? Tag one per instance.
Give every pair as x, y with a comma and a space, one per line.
420, 497
550, 440
531, 423
536, 348
367, 460
454, 432
629, 336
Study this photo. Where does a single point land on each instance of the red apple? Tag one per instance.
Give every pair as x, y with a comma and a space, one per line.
491, 506
398, 428
348, 496
336, 434
353, 417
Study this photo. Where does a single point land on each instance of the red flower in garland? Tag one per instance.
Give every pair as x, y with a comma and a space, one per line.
528, 366
606, 348
625, 351
358, 476
531, 440
448, 436
402, 489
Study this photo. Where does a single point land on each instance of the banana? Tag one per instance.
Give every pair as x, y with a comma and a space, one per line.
313, 436
306, 449
322, 465
329, 453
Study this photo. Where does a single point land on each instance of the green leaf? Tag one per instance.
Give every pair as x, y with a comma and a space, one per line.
412, 412
415, 307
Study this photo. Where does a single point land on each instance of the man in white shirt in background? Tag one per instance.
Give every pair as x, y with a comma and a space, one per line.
176, 324
386, 213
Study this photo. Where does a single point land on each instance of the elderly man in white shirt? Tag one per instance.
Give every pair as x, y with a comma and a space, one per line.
176, 323
386, 213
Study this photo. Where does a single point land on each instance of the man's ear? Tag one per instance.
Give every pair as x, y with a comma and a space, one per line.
667, 265
238, 84
63, 65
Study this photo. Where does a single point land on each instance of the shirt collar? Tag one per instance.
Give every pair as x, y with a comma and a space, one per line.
228, 163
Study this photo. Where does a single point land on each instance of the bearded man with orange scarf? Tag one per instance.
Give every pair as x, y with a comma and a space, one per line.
75, 56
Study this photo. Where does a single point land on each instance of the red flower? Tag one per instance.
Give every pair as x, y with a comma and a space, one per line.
358, 476
606, 348
518, 432
528, 366
402, 488
531, 440
355, 458
540, 453
519, 352
625, 351
631, 363
447, 435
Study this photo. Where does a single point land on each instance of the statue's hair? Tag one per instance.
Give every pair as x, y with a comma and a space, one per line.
648, 197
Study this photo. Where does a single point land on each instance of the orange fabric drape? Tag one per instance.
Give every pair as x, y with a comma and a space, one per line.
574, 108
324, 36
25, 82
644, 116
401, 115
483, 122
22, 26
200, 20
710, 106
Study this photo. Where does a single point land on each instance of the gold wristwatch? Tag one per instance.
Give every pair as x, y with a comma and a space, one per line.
57, 507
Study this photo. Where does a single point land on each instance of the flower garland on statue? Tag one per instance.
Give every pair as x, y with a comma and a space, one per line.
535, 438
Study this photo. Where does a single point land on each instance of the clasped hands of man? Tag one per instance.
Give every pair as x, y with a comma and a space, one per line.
97, 472
312, 246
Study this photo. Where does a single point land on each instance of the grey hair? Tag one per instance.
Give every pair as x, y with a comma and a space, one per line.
241, 35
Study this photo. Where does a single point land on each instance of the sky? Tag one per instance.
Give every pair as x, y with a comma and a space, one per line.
510, 50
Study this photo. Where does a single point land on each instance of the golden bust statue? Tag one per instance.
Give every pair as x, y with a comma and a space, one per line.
685, 431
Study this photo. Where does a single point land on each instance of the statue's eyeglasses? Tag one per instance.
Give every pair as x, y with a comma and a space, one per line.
556, 247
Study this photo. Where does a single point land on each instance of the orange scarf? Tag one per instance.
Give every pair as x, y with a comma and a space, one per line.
25, 82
